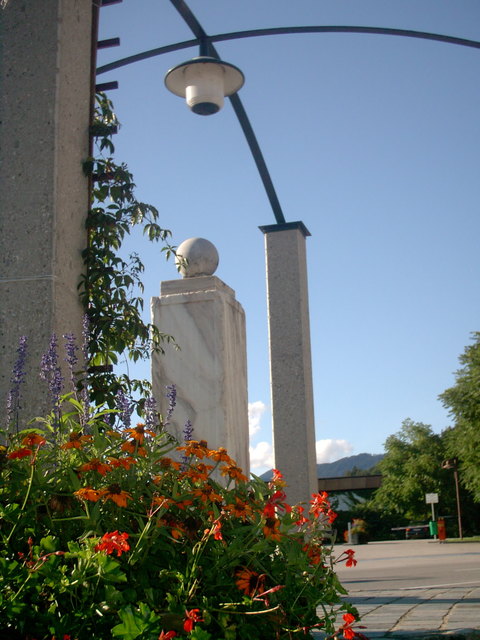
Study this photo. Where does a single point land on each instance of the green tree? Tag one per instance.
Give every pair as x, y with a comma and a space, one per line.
111, 286
410, 469
463, 402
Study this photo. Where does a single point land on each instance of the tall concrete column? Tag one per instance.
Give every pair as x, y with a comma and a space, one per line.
209, 370
46, 52
290, 358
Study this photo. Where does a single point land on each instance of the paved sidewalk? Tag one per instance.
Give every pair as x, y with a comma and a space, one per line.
454, 610
414, 589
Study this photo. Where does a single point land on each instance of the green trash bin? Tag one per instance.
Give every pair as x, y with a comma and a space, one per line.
433, 528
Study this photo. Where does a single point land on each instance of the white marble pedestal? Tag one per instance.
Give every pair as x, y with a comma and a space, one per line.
210, 368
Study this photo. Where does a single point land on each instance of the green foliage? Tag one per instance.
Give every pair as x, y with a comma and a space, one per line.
103, 535
111, 285
463, 402
410, 469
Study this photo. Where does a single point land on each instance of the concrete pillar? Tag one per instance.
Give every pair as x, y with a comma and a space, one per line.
46, 51
290, 358
210, 368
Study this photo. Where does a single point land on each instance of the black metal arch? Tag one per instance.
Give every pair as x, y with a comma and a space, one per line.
204, 40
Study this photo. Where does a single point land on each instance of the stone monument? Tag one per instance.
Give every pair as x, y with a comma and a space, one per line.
209, 367
46, 75
290, 358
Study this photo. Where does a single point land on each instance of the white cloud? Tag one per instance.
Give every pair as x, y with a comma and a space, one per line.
330, 450
261, 455
255, 413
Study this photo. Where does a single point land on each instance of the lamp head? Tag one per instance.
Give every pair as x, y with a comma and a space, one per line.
204, 82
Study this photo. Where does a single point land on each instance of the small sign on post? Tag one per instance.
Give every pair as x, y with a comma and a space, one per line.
432, 498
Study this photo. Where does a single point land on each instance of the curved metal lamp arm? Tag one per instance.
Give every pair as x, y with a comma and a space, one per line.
206, 41
240, 112
275, 31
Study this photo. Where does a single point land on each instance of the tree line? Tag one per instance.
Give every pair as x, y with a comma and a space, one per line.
418, 461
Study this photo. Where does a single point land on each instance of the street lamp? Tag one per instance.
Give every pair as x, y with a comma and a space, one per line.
204, 82
452, 463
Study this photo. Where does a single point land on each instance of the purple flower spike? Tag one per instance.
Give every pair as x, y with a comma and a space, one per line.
85, 338
125, 408
71, 355
187, 436
187, 431
151, 421
172, 402
50, 372
16, 381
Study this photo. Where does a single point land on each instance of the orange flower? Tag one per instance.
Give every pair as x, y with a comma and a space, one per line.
167, 463
183, 504
32, 439
233, 472
177, 530
138, 433
314, 553
19, 453
114, 541
114, 492
199, 473
162, 501
87, 494
132, 446
271, 529
76, 440
207, 493
195, 448
220, 455
126, 462
96, 465
250, 582
240, 509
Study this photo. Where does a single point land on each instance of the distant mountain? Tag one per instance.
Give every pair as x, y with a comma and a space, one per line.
363, 461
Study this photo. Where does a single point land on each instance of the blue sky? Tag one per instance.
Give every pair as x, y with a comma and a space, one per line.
373, 142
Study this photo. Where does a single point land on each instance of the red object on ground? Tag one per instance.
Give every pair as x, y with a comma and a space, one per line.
442, 533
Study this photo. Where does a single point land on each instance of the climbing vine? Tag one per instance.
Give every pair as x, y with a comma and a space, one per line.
111, 286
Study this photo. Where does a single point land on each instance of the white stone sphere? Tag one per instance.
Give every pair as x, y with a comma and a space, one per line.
201, 257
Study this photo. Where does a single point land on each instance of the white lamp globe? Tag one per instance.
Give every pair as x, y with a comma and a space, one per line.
204, 82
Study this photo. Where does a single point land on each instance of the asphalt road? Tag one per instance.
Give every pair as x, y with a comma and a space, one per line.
411, 564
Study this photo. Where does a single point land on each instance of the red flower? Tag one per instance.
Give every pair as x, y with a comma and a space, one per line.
351, 562
114, 541
348, 557
32, 439
301, 520
216, 530
347, 631
321, 505
19, 453
277, 479
191, 617
166, 635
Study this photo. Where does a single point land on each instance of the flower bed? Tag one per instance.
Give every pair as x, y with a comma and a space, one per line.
114, 531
